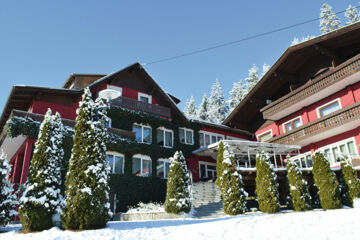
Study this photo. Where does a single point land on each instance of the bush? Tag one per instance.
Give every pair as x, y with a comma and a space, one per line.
299, 193
326, 182
266, 185
219, 162
351, 180
177, 190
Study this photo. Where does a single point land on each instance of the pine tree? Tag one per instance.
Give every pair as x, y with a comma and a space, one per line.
233, 194
352, 15
326, 183
8, 199
218, 108
202, 112
253, 77
266, 185
303, 39
265, 69
177, 190
328, 20
42, 196
219, 162
351, 180
237, 93
86, 187
190, 110
299, 193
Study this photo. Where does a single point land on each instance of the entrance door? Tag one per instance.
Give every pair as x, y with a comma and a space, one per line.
207, 171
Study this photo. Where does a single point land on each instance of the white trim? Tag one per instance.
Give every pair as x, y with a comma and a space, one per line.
302, 155
206, 170
233, 138
142, 157
166, 130
114, 87
145, 95
164, 160
264, 133
211, 134
142, 132
123, 162
291, 120
185, 135
328, 103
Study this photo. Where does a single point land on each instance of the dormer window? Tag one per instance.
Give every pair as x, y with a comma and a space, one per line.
142, 97
116, 88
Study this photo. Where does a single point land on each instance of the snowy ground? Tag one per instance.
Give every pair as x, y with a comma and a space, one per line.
317, 224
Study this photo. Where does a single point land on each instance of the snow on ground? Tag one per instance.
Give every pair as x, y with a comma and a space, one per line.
317, 224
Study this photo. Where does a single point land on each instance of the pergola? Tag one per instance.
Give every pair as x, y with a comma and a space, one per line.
245, 151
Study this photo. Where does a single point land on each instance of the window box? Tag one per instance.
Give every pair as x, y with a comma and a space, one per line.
186, 136
141, 165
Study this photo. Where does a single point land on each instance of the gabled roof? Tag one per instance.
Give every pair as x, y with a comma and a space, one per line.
337, 46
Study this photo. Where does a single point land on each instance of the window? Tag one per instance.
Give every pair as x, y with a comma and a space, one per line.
165, 137
335, 151
116, 162
265, 136
328, 108
142, 97
108, 123
186, 136
141, 165
290, 125
119, 89
303, 160
207, 138
207, 170
162, 168
142, 133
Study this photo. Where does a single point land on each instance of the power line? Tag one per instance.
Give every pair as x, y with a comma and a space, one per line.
236, 41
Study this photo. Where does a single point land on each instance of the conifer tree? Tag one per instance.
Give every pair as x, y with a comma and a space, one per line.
352, 15
253, 77
326, 183
328, 20
177, 189
344, 190
303, 39
42, 196
266, 185
233, 194
86, 186
218, 108
299, 193
8, 195
190, 110
265, 68
202, 112
219, 162
351, 180
237, 94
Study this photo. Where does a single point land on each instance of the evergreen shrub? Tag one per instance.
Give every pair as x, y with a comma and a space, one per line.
351, 180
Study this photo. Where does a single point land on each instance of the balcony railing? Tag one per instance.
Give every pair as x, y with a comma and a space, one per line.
135, 105
341, 72
335, 119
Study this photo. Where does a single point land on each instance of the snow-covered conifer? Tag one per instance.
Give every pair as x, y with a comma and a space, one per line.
352, 15
326, 183
344, 190
232, 194
42, 196
237, 93
351, 180
266, 185
8, 195
177, 189
218, 108
202, 112
303, 39
219, 162
253, 77
265, 68
299, 193
190, 110
328, 20
86, 187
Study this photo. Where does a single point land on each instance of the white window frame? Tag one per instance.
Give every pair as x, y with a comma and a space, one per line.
142, 158
292, 120
116, 154
338, 144
302, 155
142, 132
264, 133
116, 88
145, 95
185, 135
164, 160
211, 135
328, 103
206, 170
166, 130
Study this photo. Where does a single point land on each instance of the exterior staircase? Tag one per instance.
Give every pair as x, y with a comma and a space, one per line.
206, 199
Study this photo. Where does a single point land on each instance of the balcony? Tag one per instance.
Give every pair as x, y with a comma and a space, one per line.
333, 124
135, 105
324, 85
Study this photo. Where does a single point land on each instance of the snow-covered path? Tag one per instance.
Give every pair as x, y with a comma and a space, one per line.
333, 224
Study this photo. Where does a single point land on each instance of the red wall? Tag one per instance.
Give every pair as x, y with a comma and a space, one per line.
225, 133
193, 165
41, 107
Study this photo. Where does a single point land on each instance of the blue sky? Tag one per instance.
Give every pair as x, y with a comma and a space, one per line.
43, 42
